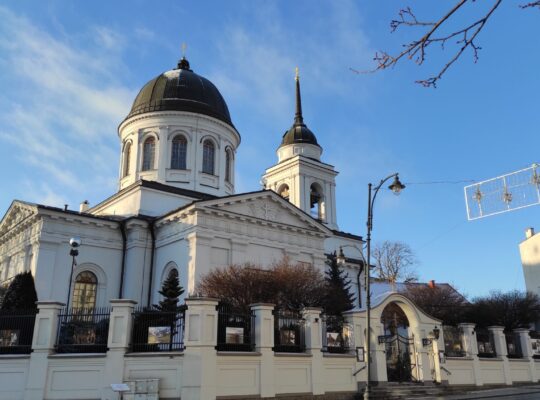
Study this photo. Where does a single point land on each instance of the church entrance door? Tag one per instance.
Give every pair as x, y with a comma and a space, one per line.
399, 345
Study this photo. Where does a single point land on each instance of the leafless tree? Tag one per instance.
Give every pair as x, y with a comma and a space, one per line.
394, 262
440, 32
441, 301
289, 286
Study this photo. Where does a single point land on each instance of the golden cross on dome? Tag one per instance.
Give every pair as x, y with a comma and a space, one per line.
296, 76
184, 47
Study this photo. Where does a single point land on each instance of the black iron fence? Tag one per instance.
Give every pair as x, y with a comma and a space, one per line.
82, 330
336, 334
16, 331
453, 341
236, 330
486, 344
289, 332
155, 331
513, 345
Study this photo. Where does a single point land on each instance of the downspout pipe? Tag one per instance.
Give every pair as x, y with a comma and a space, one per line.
124, 250
153, 250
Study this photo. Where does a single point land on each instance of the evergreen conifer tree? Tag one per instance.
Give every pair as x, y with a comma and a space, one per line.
338, 296
171, 291
21, 293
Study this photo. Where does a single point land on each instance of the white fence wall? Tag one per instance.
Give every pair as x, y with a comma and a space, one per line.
202, 372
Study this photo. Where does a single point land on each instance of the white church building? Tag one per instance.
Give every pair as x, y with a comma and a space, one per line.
176, 205
176, 208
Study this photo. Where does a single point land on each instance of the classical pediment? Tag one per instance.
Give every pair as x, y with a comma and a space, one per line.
267, 206
16, 214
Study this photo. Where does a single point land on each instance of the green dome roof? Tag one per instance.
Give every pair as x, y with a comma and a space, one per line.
181, 89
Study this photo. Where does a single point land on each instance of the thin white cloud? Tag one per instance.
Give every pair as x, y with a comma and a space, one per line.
63, 107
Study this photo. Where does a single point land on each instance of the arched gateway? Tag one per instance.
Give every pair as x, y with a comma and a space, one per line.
404, 348
399, 345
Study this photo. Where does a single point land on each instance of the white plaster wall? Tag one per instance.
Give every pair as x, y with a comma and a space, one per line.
461, 371
101, 252
530, 260
292, 374
492, 371
13, 375
338, 374
168, 369
520, 370
75, 377
238, 375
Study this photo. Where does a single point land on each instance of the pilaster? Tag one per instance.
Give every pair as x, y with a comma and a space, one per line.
200, 357
500, 349
470, 346
522, 335
118, 342
43, 341
264, 342
313, 346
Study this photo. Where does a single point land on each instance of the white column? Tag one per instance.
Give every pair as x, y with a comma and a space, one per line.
313, 331
200, 357
43, 341
500, 349
522, 335
470, 346
118, 342
264, 342
162, 154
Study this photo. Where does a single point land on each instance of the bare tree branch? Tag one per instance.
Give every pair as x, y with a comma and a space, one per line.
416, 50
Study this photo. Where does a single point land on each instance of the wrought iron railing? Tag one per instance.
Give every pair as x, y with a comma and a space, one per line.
289, 332
236, 330
155, 331
16, 331
83, 330
336, 334
485, 343
453, 341
513, 346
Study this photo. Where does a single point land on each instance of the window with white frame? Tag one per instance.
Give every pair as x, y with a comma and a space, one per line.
228, 166
149, 153
179, 152
127, 157
209, 152
85, 290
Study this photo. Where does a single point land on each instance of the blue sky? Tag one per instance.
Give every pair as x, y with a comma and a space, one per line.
69, 72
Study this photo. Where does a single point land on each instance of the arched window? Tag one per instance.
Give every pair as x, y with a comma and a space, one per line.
85, 290
149, 152
316, 202
284, 191
179, 152
209, 151
127, 157
228, 166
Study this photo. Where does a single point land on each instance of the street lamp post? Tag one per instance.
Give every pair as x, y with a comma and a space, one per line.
74, 242
395, 187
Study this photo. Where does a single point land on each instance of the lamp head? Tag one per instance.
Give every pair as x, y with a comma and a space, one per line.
436, 332
75, 242
340, 257
396, 187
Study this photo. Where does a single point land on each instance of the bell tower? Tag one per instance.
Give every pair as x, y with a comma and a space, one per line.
300, 176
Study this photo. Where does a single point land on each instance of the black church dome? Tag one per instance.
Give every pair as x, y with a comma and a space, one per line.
181, 89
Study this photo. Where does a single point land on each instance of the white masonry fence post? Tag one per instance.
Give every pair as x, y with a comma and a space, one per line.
264, 343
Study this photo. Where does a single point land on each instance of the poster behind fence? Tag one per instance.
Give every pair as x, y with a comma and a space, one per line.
9, 337
234, 335
159, 334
